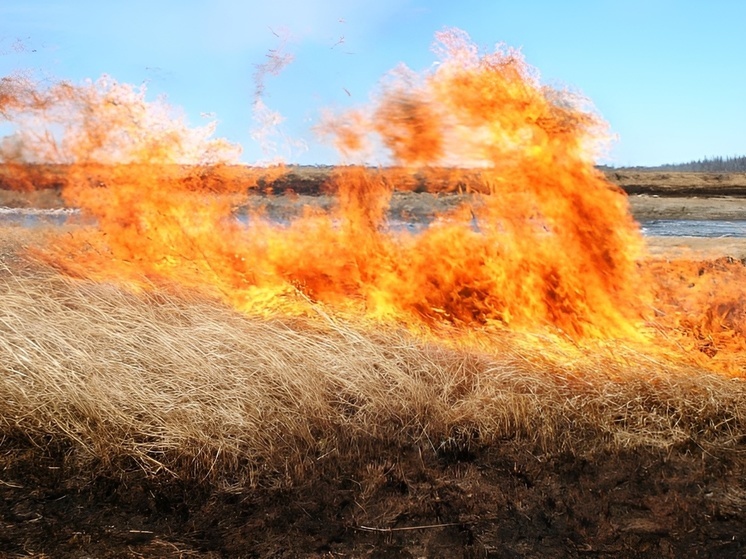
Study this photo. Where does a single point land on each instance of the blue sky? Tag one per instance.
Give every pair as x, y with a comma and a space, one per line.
669, 76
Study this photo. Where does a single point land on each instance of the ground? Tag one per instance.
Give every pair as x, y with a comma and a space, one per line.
502, 501
506, 500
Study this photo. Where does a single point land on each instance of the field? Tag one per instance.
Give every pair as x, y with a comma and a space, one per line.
162, 422
471, 351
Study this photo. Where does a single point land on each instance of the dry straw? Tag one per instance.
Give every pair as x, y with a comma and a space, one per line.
175, 382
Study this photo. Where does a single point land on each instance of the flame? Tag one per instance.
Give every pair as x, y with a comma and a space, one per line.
540, 242
700, 309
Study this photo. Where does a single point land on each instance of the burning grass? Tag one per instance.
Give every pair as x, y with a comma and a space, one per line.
182, 385
166, 331
547, 240
162, 335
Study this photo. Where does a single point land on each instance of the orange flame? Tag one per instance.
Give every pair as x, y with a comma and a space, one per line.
541, 240
546, 241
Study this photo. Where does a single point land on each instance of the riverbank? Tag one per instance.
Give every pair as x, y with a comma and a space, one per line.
703, 196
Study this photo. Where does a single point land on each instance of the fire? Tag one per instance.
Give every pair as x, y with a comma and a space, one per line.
700, 308
541, 241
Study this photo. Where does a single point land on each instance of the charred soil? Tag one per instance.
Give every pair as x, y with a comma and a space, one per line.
499, 501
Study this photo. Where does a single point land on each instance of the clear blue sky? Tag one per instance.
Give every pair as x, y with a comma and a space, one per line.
669, 76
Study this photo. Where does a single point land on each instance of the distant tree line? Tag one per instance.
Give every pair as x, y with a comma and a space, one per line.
735, 164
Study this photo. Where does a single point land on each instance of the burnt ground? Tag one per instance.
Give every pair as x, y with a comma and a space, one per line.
502, 501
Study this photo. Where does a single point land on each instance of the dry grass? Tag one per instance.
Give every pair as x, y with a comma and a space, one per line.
178, 383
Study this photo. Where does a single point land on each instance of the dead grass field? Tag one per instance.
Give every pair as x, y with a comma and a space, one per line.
183, 384
165, 424
697, 248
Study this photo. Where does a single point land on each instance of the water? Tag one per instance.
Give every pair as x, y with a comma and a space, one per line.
693, 228
654, 228
30, 217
